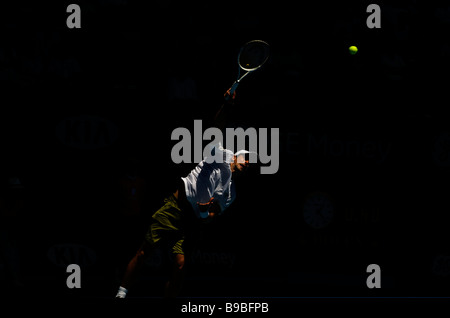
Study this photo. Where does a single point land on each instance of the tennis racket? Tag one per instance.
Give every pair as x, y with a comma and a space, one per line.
251, 57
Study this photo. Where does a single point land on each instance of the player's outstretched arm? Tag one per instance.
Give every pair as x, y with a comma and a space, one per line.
223, 114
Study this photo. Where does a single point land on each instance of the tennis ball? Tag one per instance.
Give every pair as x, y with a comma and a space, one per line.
353, 50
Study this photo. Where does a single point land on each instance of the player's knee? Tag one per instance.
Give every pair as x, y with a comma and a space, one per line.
179, 261
140, 255
143, 252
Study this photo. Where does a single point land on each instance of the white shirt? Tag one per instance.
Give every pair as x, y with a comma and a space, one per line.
211, 179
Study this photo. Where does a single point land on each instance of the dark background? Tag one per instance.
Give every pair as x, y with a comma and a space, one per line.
82, 108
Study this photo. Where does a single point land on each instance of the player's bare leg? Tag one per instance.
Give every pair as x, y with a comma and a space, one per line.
175, 283
134, 268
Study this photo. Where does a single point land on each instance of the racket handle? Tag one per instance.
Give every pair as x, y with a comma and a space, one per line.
231, 90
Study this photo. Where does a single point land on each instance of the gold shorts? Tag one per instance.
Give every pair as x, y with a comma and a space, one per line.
167, 226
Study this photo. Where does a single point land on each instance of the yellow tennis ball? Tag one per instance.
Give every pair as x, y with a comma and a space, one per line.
353, 50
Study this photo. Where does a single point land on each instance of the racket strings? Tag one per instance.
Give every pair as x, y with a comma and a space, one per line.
253, 55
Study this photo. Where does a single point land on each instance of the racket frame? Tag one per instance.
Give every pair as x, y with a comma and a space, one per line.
248, 70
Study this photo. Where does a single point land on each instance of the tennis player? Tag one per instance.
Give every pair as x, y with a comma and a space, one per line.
205, 193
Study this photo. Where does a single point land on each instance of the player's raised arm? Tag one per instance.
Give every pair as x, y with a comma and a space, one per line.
223, 114
252, 56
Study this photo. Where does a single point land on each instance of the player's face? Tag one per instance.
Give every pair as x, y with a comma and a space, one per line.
240, 164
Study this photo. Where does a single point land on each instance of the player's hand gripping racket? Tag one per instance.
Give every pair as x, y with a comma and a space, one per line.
251, 57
